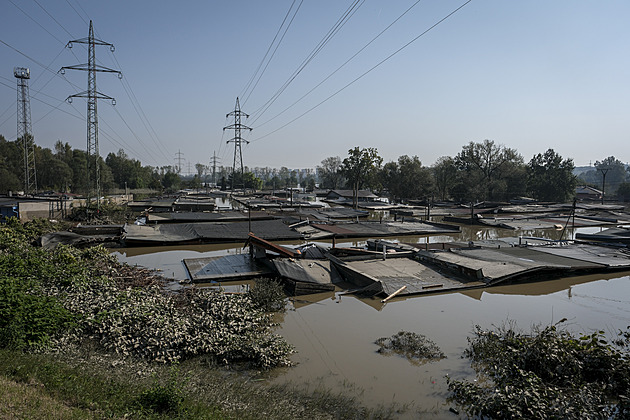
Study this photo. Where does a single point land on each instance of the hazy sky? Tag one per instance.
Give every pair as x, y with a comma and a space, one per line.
530, 75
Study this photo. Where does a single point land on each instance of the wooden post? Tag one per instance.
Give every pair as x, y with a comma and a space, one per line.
394, 294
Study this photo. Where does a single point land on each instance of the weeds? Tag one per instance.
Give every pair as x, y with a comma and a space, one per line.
547, 374
163, 398
415, 347
268, 295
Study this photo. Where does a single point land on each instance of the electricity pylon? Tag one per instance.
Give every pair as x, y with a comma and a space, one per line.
178, 167
24, 129
214, 161
92, 116
237, 140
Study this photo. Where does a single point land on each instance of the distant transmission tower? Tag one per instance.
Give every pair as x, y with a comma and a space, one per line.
178, 167
24, 130
214, 161
92, 116
237, 140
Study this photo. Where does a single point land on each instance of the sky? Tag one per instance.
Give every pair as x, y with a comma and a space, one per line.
529, 75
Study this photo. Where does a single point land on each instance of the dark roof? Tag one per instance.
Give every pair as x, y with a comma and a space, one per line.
360, 193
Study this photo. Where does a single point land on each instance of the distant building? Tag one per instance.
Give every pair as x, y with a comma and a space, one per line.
586, 193
346, 195
27, 209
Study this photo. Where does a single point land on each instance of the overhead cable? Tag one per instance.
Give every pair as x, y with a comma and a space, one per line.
245, 95
341, 66
329, 35
365, 73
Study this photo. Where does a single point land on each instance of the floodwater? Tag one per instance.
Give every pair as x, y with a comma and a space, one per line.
334, 334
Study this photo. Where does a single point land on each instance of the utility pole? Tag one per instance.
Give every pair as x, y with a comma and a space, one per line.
24, 129
237, 139
178, 168
604, 171
92, 115
214, 161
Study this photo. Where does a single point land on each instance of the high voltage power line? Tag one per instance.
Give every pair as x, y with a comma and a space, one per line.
343, 65
126, 85
366, 72
318, 48
245, 94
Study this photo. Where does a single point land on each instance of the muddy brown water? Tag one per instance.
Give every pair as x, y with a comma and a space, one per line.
334, 334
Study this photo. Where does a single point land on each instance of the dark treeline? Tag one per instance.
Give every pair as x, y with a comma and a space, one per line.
479, 172
483, 171
65, 169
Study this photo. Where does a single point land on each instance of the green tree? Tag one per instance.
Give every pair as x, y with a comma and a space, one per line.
78, 164
615, 170
550, 178
360, 169
623, 192
128, 172
487, 171
444, 176
330, 173
52, 172
615, 173
407, 178
10, 166
171, 181
251, 181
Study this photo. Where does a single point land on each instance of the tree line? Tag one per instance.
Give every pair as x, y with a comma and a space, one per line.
481, 171
65, 169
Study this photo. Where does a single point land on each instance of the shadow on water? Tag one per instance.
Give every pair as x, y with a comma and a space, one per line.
335, 334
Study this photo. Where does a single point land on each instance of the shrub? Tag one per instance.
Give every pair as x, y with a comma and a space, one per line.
547, 374
61, 297
268, 295
414, 346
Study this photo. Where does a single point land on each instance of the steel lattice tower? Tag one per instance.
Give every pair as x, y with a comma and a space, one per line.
214, 161
24, 129
92, 116
237, 140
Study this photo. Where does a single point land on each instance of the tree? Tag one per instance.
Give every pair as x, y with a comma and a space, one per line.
171, 181
615, 170
79, 171
615, 173
11, 166
485, 169
310, 183
444, 176
52, 172
360, 169
623, 192
550, 178
330, 173
251, 181
128, 172
8, 180
407, 178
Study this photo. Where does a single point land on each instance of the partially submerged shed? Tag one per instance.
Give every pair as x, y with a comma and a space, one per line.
207, 232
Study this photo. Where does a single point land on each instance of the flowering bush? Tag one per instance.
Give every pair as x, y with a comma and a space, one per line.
53, 298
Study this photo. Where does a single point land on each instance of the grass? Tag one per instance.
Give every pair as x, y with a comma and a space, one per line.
30, 401
100, 385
